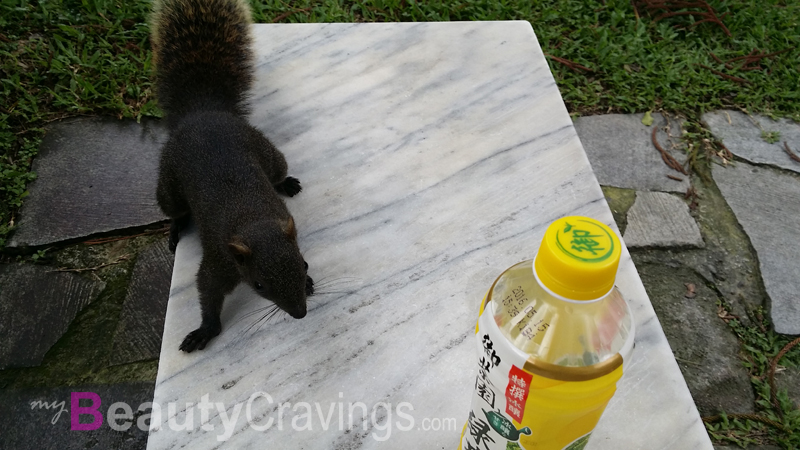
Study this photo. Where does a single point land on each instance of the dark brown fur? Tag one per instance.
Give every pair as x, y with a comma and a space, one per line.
217, 169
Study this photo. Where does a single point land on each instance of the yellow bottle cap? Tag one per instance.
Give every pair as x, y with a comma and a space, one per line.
578, 258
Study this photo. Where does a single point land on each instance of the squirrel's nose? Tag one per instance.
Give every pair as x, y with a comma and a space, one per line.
299, 311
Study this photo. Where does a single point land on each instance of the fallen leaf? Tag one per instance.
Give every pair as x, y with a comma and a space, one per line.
647, 119
723, 314
690, 290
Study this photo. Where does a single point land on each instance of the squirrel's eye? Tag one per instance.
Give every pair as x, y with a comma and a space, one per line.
259, 286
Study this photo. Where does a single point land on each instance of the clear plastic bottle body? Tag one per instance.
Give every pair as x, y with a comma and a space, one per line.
557, 330
552, 336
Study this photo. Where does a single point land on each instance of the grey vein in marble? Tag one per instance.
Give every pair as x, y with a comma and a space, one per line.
432, 156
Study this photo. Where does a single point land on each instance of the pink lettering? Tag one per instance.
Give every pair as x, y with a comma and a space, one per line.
76, 411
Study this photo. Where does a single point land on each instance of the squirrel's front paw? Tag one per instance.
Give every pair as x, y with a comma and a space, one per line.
289, 187
197, 339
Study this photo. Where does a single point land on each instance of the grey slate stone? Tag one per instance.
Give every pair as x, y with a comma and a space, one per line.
766, 203
789, 379
622, 154
706, 349
93, 176
36, 307
141, 326
657, 219
27, 427
742, 136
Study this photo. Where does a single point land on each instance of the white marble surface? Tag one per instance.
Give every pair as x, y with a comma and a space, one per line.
432, 157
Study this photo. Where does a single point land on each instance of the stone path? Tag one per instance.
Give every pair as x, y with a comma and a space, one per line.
767, 205
680, 251
756, 139
138, 336
733, 244
702, 343
93, 176
658, 219
37, 306
621, 152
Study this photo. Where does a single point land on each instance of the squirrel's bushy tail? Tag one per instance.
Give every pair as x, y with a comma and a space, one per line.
202, 55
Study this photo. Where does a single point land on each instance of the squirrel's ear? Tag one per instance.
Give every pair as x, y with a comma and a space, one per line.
289, 229
239, 250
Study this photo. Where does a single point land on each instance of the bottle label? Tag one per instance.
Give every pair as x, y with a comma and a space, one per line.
519, 383
585, 241
513, 409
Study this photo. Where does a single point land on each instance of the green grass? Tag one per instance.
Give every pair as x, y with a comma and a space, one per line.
759, 346
64, 58
60, 59
771, 136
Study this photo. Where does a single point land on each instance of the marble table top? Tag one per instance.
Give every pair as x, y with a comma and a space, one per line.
432, 157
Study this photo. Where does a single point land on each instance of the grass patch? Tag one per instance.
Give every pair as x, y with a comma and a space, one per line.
777, 419
62, 58
771, 137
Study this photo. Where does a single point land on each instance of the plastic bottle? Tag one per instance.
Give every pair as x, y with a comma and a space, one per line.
552, 336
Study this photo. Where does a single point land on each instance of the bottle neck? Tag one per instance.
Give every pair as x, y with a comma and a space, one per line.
561, 297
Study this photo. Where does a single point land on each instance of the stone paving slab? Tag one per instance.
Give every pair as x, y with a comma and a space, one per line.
621, 151
35, 427
742, 135
93, 176
766, 203
36, 308
138, 336
657, 219
706, 349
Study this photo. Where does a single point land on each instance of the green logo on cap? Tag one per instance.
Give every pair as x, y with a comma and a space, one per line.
585, 241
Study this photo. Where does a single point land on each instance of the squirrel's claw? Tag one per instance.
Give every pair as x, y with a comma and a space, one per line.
289, 187
197, 339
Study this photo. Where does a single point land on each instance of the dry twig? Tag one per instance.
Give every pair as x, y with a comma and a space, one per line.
789, 152
571, 64
773, 365
691, 194
92, 269
672, 8
122, 238
747, 61
666, 157
725, 75
727, 154
289, 13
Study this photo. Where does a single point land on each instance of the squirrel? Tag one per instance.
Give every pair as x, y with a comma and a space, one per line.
218, 170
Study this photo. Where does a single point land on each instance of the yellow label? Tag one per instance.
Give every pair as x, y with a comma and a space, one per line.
513, 409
